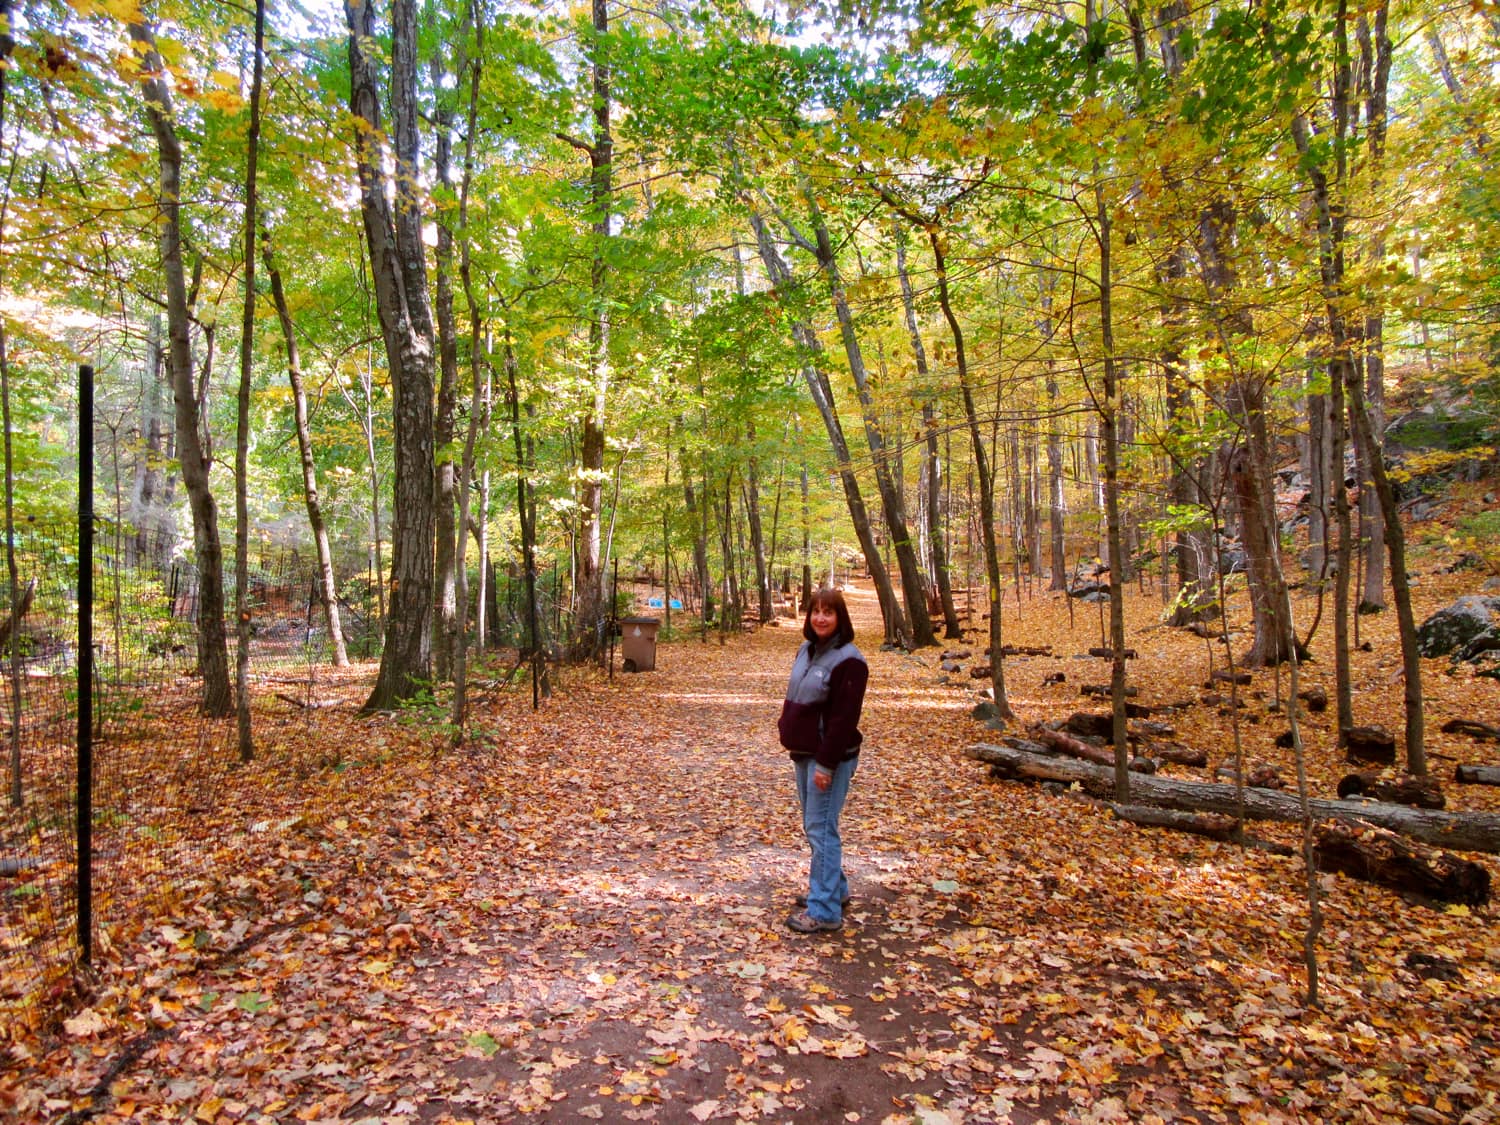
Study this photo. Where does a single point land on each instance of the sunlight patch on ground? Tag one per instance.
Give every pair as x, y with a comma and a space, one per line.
713, 697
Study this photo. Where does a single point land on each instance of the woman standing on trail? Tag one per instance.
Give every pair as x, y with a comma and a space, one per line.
820, 726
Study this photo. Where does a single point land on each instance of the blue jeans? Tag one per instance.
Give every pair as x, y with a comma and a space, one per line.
827, 886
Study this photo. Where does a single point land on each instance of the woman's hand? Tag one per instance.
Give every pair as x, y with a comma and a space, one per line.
822, 779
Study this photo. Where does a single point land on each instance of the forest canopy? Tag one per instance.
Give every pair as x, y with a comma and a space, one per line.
733, 297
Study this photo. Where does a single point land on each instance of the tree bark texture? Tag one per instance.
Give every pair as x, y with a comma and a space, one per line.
592, 611
398, 269
449, 535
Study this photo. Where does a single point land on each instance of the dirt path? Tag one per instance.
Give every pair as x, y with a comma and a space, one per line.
648, 974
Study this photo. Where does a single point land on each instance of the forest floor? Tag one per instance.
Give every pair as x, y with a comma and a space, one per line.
580, 915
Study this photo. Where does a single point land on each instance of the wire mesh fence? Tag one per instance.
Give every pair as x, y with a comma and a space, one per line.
162, 769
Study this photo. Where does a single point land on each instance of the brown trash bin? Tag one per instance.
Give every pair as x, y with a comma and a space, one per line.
638, 643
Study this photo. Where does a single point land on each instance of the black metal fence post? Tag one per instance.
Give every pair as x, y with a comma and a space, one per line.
85, 662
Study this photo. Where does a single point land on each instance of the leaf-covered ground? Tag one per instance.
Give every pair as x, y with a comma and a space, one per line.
580, 916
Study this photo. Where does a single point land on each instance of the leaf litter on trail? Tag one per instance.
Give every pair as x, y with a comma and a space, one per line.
583, 915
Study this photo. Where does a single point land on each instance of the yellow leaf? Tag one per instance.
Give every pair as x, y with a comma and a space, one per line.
224, 101
208, 1112
793, 1031
126, 11
374, 968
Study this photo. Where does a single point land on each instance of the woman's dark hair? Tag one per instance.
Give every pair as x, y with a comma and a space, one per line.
829, 598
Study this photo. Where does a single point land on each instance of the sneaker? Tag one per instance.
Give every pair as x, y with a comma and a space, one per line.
805, 923
801, 901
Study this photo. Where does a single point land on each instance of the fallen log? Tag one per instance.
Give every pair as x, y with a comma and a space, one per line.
1216, 826
1090, 724
1260, 775
1024, 650
1465, 831
1093, 724
1477, 775
1057, 740
1472, 727
1101, 691
1381, 856
1179, 754
1403, 789
1108, 653
306, 704
1222, 676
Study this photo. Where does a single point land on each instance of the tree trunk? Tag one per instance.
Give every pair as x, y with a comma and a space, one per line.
1331, 248
896, 630
592, 611
526, 513
149, 491
242, 408
17, 607
935, 469
1375, 70
1274, 642
213, 653
1057, 512
327, 586
804, 602
913, 588
398, 269
1195, 599
1478, 140
764, 612
1109, 419
700, 538
478, 425
1318, 466
448, 532
986, 480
